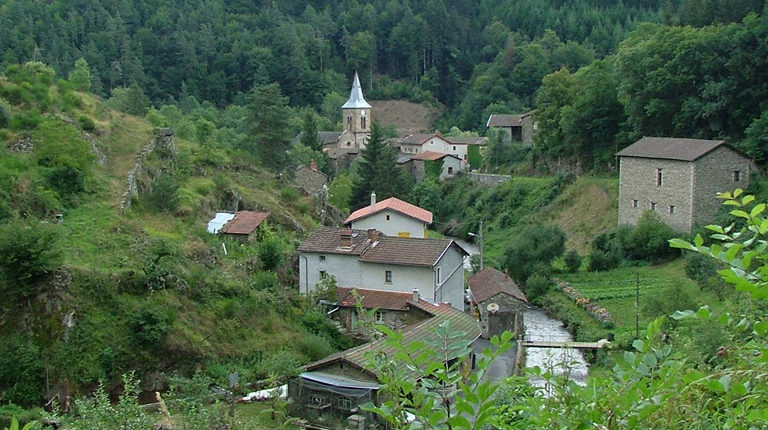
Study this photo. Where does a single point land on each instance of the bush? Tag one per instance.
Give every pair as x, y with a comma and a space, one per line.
149, 326
650, 239
699, 268
537, 286
21, 371
86, 123
266, 281
5, 113
572, 261
164, 194
314, 347
25, 120
535, 244
667, 301
27, 253
600, 260
271, 252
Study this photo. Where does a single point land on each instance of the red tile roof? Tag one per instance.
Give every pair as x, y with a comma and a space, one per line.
369, 299
490, 282
244, 222
393, 204
431, 156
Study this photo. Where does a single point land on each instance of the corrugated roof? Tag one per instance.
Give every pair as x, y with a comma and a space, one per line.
431, 156
218, 221
499, 120
244, 222
459, 322
339, 380
670, 148
490, 282
328, 240
356, 99
369, 299
393, 204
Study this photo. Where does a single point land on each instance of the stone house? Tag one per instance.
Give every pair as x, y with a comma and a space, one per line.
311, 180
678, 179
492, 288
515, 128
416, 165
371, 261
392, 309
244, 225
338, 384
393, 217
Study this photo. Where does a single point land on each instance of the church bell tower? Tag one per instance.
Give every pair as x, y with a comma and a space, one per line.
357, 115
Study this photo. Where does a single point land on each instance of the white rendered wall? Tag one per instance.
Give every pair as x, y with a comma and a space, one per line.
397, 224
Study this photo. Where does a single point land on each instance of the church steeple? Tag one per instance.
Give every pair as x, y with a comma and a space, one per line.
357, 115
356, 99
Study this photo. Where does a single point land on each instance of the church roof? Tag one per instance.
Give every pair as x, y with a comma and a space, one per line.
356, 99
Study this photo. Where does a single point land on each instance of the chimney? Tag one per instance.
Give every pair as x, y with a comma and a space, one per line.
313, 164
373, 201
373, 234
346, 238
416, 295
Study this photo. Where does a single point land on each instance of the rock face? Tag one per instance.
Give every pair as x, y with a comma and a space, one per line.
163, 139
23, 144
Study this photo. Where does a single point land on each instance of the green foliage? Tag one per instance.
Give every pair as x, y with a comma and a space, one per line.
5, 113
433, 169
97, 411
539, 244
80, 76
572, 261
270, 252
15, 425
21, 370
434, 388
28, 252
755, 142
163, 195
130, 100
649, 239
86, 123
309, 131
537, 286
266, 281
268, 111
474, 158
340, 192
378, 171
666, 301
149, 325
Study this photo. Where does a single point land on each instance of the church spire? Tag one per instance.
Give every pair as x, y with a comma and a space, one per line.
356, 99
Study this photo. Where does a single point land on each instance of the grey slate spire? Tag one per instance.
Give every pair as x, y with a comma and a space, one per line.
356, 100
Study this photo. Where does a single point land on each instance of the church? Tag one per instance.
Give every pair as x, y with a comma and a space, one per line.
342, 147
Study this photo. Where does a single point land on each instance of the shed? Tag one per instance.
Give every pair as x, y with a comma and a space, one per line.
244, 224
492, 286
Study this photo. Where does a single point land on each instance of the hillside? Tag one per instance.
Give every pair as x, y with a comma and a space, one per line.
406, 117
145, 288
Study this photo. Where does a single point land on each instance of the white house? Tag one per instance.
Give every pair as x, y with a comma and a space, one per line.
371, 261
416, 165
393, 217
458, 146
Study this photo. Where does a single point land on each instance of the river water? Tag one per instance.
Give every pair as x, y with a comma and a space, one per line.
559, 361
538, 326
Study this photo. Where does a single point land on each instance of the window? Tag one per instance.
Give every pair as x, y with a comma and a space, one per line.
671, 209
454, 148
344, 403
387, 217
322, 258
379, 317
653, 206
465, 156
362, 122
388, 276
349, 121
736, 176
658, 177
634, 203
450, 170
323, 274
439, 278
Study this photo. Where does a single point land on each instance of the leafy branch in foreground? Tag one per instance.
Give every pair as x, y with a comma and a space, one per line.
424, 391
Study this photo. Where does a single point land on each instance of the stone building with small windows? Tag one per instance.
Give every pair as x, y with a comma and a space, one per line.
678, 179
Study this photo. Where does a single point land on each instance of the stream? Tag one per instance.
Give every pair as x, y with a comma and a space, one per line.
560, 361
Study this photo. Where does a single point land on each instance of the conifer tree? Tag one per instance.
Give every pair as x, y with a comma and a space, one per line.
269, 126
378, 171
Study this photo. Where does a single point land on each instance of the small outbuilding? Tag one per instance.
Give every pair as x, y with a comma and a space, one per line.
244, 225
498, 300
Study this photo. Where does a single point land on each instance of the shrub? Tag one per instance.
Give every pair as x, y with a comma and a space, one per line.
5, 113
314, 347
149, 326
668, 300
537, 286
699, 268
86, 123
28, 251
25, 120
600, 260
21, 370
572, 261
266, 281
164, 194
271, 252
650, 239
535, 244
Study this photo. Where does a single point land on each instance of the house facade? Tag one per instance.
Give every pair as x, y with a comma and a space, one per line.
678, 179
371, 261
310, 179
393, 217
417, 143
518, 128
416, 165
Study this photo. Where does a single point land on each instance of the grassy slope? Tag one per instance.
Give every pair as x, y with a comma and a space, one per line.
218, 317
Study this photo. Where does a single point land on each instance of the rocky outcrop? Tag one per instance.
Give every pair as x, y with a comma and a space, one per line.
101, 158
22, 144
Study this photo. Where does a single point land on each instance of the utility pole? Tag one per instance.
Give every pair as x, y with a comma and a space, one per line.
637, 305
481, 244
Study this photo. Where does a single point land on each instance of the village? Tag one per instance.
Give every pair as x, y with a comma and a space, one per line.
381, 268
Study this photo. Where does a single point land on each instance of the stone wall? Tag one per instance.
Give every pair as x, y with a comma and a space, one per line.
163, 139
508, 305
311, 181
713, 174
638, 183
488, 179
